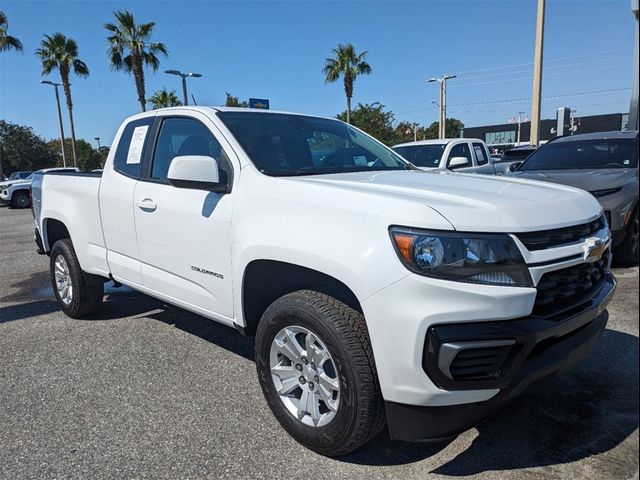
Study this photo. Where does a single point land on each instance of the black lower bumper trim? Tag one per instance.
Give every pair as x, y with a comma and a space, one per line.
563, 345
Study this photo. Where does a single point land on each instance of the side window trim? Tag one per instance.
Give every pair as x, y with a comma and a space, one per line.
152, 143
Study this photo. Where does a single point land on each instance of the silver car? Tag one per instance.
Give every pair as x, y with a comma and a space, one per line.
606, 165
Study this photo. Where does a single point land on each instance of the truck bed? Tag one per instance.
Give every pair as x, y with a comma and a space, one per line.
57, 195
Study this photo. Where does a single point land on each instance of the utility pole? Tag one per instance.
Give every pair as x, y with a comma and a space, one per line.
537, 76
184, 81
519, 123
633, 104
442, 103
55, 86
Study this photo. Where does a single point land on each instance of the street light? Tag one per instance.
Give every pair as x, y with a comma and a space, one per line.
97, 139
184, 81
55, 86
442, 105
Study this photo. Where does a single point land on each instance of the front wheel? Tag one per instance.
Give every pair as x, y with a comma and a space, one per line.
77, 296
20, 200
317, 372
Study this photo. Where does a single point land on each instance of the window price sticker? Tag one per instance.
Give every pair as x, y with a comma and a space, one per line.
136, 145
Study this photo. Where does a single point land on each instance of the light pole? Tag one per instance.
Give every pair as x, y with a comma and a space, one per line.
97, 139
442, 105
534, 137
55, 86
184, 81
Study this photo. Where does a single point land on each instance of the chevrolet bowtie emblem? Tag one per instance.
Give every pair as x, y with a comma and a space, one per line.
594, 250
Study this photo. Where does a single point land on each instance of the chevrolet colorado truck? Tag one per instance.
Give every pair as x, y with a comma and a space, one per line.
379, 294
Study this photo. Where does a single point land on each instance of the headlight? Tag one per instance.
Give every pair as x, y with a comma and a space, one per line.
489, 259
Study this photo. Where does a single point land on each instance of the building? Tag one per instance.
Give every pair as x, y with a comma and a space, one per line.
507, 133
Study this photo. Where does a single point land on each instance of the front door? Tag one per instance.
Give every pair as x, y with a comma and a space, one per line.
184, 234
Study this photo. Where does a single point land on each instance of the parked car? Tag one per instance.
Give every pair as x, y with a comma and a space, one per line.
378, 293
512, 156
605, 164
468, 155
17, 193
13, 178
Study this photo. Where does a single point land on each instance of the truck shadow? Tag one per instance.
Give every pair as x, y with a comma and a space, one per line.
586, 411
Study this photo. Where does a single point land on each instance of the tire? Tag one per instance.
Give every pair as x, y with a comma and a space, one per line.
82, 297
20, 199
626, 254
359, 409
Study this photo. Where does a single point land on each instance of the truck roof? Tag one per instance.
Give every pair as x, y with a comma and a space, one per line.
437, 141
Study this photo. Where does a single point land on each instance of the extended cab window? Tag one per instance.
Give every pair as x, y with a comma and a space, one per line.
130, 151
185, 136
460, 150
481, 154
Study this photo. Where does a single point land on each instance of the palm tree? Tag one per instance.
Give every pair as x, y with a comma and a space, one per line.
348, 64
164, 98
130, 49
7, 42
57, 52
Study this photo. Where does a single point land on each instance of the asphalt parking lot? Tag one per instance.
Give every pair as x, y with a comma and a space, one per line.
147, 390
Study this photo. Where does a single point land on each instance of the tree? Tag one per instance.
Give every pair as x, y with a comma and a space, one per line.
57, 52
7, 42
373, 119
232, 101
131, 48
21, 149
452, 128
88, 157
404, 132
164, 98
348, 64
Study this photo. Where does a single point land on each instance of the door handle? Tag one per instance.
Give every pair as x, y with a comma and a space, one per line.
147, 205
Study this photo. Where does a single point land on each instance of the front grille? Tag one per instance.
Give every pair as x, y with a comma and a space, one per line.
478, 363
560, 236
563, 290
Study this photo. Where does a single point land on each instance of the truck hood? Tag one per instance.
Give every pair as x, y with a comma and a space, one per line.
478, 203
589, 180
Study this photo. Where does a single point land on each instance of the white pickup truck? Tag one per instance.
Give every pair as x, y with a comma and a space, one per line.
379, 294
465, 155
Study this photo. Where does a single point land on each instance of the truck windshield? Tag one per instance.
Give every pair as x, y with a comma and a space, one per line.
422, 155
292, 145
584, 154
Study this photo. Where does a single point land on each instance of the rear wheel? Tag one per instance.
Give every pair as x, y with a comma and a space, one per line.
626, 254
77, 296
316, 369
20, 200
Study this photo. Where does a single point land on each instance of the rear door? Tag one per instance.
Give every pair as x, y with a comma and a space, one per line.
117, 188
184, 234
482, 159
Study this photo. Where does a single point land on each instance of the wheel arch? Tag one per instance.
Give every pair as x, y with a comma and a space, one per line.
264, 281
53, 230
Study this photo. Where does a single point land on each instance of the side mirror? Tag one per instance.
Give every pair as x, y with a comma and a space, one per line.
458, 162
195, 171
514, 166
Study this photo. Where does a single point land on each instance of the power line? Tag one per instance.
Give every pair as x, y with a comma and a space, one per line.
517, 100
560, 59
556, 74
529, 70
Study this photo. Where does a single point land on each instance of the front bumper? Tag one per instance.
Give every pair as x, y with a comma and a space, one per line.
541, 347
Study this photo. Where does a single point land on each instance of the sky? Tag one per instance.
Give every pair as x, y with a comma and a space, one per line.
276, 50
